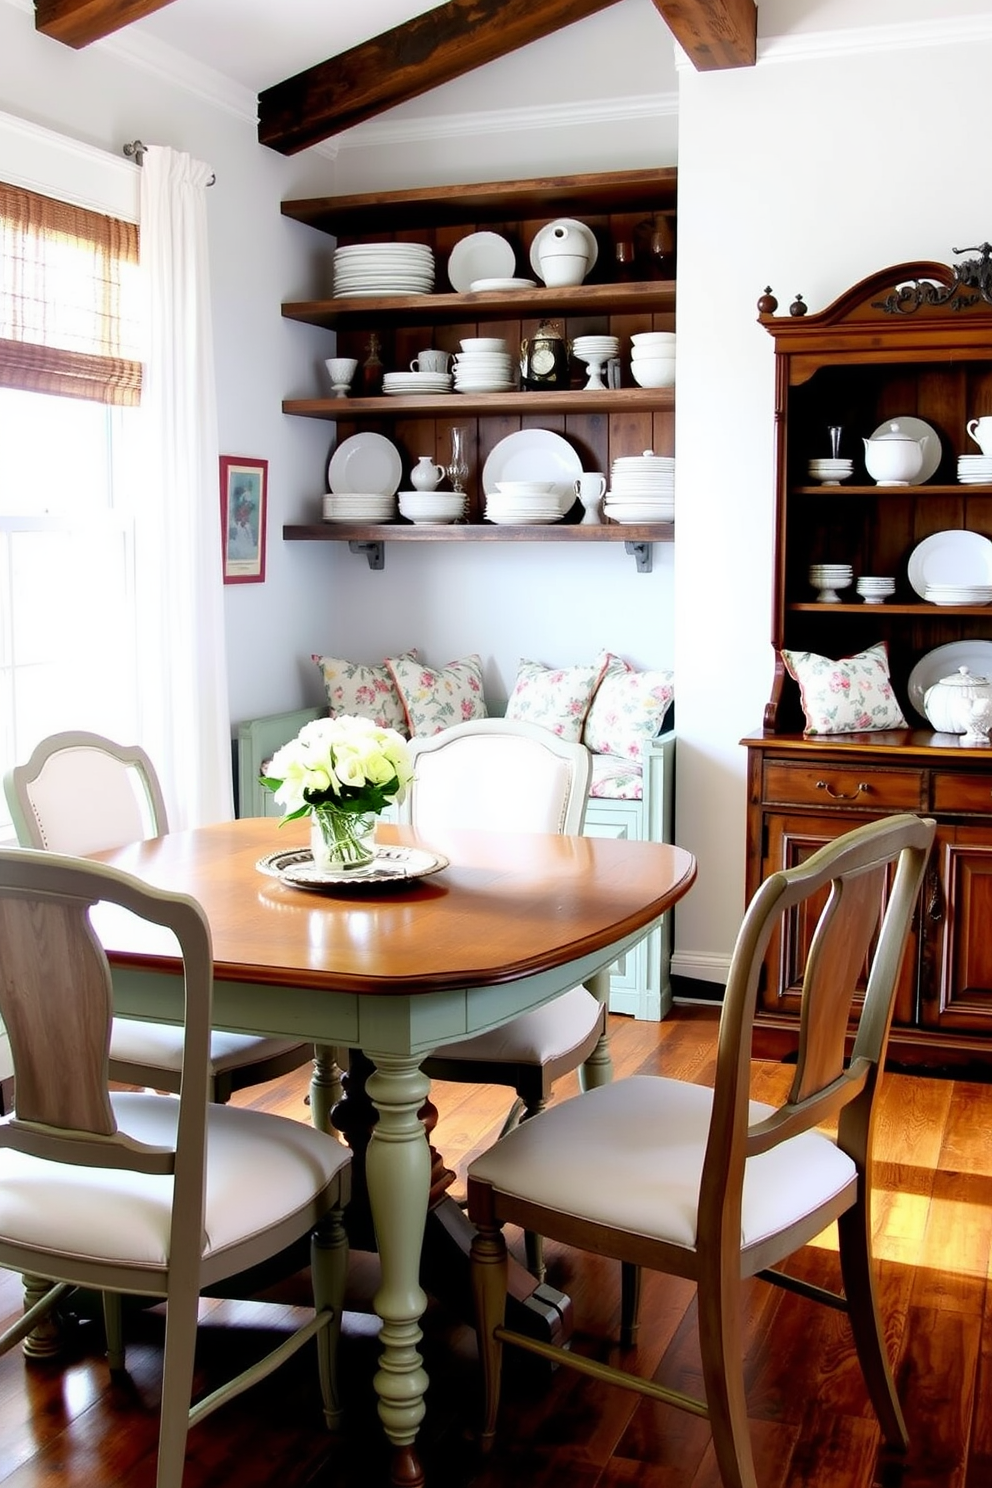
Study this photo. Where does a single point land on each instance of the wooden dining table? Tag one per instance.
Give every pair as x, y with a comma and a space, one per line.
394, 969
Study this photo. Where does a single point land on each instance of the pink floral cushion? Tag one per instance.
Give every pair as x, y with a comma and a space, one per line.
364, 691
849, 696
628, 709
557, 699
616, 779
434, 699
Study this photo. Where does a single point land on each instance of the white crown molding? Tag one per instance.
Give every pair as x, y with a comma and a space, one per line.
404, 130
806, 46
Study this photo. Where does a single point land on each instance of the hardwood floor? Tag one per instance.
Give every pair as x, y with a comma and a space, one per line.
65, 1425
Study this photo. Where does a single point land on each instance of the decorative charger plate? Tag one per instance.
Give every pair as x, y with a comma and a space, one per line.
366, 463
952, 557
914, 428
534, 454
482, 255
392, 865
943, 662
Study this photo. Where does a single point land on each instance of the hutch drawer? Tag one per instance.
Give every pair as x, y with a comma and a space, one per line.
953, 792
794, 783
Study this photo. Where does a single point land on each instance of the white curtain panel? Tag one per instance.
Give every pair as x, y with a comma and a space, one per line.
180, 603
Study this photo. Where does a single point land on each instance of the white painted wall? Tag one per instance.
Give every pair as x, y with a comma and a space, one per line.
818, 166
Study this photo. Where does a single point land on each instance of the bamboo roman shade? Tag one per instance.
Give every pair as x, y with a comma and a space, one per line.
68, 292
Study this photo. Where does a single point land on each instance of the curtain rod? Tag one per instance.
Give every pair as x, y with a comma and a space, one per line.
135, 150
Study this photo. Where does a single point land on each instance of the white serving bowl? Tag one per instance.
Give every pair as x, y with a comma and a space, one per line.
656, 339
483, 343
431, 506
563, 268
653, 372
524, 488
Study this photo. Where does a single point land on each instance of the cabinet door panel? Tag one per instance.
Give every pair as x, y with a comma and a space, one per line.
791, 840
957, 956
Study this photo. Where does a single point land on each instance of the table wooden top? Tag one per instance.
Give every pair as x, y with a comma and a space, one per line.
507, 906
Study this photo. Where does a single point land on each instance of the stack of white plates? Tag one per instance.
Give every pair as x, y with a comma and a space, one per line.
830, 472
958, 594
642, 489
598, 346
875, 589
524, 502
398, 383
975, 470
488, 368
383, 269
360, 506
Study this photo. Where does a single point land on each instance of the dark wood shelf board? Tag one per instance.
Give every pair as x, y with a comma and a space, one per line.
555, 532
648, 296
447, 405
491, 201
926, 611
959, 488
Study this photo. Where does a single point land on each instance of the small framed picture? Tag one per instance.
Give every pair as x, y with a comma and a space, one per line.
243, 499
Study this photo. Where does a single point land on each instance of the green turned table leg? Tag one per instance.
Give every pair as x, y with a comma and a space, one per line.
398, 1173
325, 1086
598, 1068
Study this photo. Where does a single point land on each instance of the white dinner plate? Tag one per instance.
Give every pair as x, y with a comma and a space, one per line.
943, 662
391, 865
482, 255
952, 557
535, 455
483, 286
914, 428
367, 463
586, 234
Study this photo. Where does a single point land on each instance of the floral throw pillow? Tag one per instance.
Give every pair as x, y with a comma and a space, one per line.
556, 698
628, 709
849, 696
435, 698
616, 779
364, 691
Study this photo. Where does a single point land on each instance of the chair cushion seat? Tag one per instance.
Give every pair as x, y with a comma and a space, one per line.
260, 1170
538, 1037
160, 1046
630, 1155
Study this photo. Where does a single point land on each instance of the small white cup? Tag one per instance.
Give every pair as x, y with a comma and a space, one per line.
980, 430
590, 489
341, 370
430, 361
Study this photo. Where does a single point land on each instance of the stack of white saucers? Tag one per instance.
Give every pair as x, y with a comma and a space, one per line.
875, 589
642, 489
975, 470
958, 594
830, 472
523, 502
400, 383
484, 365
828, 578
359, 506
383, 269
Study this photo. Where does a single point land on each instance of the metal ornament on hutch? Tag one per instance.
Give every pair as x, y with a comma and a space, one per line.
972, 282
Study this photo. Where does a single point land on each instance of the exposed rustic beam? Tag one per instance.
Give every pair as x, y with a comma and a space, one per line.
713, 33
401, 64
78, 22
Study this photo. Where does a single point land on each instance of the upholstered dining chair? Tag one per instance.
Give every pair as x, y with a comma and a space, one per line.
503, 776
80, 793
706, 1184
139, 1192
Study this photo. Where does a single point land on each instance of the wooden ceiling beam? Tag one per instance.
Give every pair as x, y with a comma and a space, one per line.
405, 62
79, 22
713, 33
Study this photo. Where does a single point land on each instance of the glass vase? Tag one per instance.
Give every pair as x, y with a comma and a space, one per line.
340, 840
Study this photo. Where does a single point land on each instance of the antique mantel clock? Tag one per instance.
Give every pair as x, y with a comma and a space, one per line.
544, 359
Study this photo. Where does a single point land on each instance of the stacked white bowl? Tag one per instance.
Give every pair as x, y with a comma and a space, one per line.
642, 489
830, 472
828, 578
428, 508
595, 351
975, 470
484, 365
524, 502
875, 589
652, 358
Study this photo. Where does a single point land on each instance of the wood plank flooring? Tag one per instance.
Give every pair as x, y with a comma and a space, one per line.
65, 1425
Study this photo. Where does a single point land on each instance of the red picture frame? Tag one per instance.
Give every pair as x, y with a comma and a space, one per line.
243, 509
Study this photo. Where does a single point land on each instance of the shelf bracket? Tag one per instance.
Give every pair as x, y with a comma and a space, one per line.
641, 551
375, 552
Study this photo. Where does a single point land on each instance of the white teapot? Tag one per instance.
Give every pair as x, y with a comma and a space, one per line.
894, 458
949, 703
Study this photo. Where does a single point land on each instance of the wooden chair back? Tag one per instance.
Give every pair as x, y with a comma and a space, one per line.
80, 793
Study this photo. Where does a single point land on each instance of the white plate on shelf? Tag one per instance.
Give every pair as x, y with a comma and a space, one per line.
482, 255
952, 557
534, 455
914, 428
943, 662
483, 286
366, 463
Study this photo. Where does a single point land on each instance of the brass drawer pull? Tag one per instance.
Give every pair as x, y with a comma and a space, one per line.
840, 795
